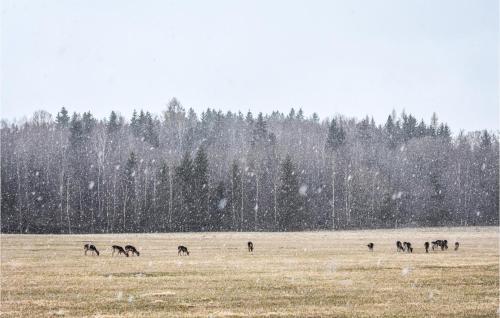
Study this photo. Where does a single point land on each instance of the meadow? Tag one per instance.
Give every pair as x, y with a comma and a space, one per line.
299, 274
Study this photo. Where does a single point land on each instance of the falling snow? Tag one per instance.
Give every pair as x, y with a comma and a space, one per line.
222, 204
303, 190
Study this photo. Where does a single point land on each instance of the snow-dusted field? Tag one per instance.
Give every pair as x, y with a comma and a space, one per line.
289, 274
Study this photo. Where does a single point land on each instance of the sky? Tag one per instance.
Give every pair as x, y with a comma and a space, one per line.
354, 58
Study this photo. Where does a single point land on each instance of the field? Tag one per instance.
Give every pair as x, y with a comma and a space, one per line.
312, 274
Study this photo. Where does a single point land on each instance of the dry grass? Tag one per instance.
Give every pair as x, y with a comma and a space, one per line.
289, 274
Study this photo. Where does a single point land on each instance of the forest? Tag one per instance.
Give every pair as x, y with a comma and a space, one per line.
225, 171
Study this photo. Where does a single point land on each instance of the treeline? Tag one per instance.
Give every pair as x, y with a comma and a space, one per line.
235, 172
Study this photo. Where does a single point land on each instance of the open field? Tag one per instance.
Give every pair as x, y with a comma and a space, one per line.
309, 274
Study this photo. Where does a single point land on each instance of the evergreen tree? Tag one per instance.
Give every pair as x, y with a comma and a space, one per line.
88, 123
421, 130
236, 196
290, 208
336, 136
77, 137
249, 118
220, 217
438, 213
300, 115
134, 124
113, 124
364, 130
62, 119
485, 143
433, 127
260, 131
444, 132
392, 131
409, 127
185, 220
201, 190
149, 132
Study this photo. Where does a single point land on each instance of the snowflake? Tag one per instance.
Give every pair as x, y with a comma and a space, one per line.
303, 190
222, 204
406, 271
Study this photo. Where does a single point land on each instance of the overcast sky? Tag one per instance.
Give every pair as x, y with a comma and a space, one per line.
354, 58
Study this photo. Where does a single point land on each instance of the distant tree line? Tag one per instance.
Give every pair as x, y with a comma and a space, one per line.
235, 172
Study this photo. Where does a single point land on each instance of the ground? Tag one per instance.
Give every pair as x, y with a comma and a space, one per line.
311, 274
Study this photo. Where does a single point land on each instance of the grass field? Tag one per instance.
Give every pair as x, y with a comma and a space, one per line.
313, 274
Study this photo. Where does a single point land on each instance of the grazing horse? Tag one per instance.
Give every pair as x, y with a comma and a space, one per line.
399, 246
408, 247
182, 250
426, 244
250, 246
445, 245
91, 248
440, 243
119, 249
131, 249
370, 246
435, 244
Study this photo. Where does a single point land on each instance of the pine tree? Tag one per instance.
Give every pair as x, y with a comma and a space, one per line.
184, 182
485, 143
134, 124
444, 132
149, 132
113, 125
76, 136
438, 213
236, 197
433, 127
62, 118
260, 130
290, 209
88, 123
220, 217
421, 130
300, 115
336, 136
392, 131
409, 127
249, 118
201, 190
364, 130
